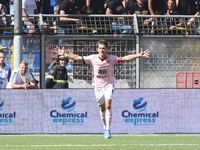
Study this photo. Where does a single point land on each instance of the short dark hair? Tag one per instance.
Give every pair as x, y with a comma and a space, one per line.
103, 42
2, 51
172, 0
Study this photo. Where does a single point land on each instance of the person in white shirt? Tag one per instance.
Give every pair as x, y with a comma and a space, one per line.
21, 78
5, 71
31, 25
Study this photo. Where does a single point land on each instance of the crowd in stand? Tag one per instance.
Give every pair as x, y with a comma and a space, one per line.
155, 7
107, 7
140, 7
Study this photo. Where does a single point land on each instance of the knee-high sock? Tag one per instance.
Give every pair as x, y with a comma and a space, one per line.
103, 118
108, 118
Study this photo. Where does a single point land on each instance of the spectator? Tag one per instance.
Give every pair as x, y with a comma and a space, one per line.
12, 11
96, 7
186, 7
82, 4
46, 6
156, 7
118, 25
21, 78
57, 6
5, 70
56, 11
4, 21
57, 77
195, 21
140, 7
29, 8
68, 7
39, 5
127, 4
173, 23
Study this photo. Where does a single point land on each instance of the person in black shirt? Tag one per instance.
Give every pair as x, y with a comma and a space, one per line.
68, 24
186, 7
95, 6
115, 7
156, 7
57, 77
140, 7
57, 6
173, 23
69, 7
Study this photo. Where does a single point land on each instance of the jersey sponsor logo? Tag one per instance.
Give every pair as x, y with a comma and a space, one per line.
102, 71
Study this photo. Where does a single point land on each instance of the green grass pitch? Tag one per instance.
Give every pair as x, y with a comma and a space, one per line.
97, 142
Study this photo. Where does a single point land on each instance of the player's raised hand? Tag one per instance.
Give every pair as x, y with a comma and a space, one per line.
145, 53
59, 51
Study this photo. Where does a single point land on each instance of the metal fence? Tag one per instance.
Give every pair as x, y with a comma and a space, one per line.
169, 47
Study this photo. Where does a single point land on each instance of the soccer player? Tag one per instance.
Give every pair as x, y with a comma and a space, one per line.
103, 78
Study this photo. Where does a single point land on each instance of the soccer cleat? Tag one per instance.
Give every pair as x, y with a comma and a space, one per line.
107, 134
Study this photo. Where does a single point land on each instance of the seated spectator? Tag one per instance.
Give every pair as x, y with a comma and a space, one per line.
5, 70
4, 21
96, 7
127, 4
56, 11
173, 23
194, 21
68, 7
140, 7
186, 7
82, 4
156, 7
21, 78
57, 6
115, 7
12, 11
29, 7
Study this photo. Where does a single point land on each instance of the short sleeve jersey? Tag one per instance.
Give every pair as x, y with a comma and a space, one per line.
69, 7
5, 73
115, 6
135, 9
102, 70
30, 6
20, 80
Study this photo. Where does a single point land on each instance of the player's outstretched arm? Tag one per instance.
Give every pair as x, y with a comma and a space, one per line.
74, 57
59, 51
145, 53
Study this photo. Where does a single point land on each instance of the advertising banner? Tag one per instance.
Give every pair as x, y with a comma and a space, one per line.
76, 111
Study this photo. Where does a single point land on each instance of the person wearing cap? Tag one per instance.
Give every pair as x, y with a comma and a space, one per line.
57, 77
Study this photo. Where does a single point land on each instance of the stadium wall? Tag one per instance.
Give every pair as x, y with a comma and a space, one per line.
76, 111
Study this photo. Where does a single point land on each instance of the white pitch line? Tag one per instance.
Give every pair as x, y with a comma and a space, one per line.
99, 145
88, 135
